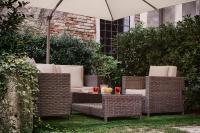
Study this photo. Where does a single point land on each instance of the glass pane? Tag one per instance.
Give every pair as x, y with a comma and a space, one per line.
120, 28
103, 41
102, 21
108, 27
102, 26
108, 34
108, 49
115, 22
114, 27
102, 33
121, 21
108, 22
114, 34
108, 42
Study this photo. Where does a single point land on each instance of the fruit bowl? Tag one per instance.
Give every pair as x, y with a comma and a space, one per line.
108, 90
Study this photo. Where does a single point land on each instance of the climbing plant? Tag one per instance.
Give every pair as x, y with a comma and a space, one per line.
23, 76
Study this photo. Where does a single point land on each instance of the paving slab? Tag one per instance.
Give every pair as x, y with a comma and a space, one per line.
189, 129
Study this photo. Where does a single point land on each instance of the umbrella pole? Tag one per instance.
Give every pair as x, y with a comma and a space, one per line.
48, 32
48, 41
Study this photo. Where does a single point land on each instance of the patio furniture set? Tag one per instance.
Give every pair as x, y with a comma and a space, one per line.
62, 90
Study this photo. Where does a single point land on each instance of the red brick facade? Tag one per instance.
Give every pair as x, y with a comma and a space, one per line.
79, 26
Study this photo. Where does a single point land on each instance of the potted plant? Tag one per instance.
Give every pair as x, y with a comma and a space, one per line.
102, 67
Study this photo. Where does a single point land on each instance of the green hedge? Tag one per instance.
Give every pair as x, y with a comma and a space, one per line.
165, 45
65, 50
68, 50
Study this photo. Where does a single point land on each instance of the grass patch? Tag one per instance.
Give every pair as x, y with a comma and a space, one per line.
81, 123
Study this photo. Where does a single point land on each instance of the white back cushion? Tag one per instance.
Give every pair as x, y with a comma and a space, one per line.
76, 73
161, 71
172, 71
136, 91
46, 68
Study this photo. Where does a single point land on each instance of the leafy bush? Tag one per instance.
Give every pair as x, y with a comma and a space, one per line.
165, 45
68, 50
10, 19
103, 66
65, 50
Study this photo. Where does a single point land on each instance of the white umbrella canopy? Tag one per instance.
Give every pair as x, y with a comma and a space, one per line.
106, 9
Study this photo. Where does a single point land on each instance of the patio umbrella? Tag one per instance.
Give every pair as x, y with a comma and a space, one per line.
102, 9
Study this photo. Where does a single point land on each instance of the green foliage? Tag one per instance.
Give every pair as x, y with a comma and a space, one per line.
71, 51
68, 50
14, 69
65, 50
165, 45
103, 65
10, 19
24, 76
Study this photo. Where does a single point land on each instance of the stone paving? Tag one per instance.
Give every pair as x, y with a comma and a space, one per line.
189, 129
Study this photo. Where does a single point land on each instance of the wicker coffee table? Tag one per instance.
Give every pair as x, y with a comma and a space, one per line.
107, 105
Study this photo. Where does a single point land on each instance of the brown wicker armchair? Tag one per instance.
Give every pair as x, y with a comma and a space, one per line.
162, 94
54, 94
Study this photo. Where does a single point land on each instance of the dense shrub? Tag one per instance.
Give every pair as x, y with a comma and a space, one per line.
102, 65
65, 50
165, 45
10, 18
68, 50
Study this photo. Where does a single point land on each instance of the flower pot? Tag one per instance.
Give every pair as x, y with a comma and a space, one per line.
92, 80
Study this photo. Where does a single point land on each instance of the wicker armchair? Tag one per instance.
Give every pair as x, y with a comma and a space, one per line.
162, 94
54, 96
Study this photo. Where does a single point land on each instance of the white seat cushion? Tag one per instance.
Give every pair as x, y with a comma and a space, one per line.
76, 89
82, 89
76, 74
160, 71
172, 71
136, 91
46, 68
89, 105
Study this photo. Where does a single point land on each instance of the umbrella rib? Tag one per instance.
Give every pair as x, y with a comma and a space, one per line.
109, 9
150, 4
54, 9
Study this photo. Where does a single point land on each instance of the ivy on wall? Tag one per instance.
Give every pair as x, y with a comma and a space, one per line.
23, 76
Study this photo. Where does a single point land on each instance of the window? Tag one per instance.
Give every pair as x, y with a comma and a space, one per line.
109, 30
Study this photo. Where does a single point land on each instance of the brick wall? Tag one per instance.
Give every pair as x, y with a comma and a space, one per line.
80, 26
